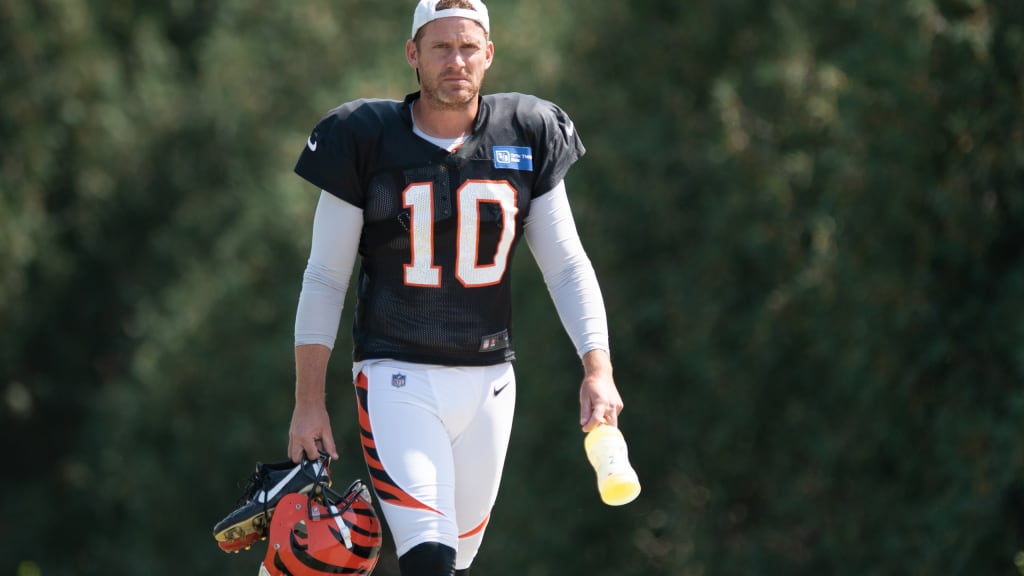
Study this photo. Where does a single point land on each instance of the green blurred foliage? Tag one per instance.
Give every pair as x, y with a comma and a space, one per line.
808, 220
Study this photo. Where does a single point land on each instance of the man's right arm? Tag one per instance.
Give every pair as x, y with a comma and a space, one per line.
337, 227
310, 430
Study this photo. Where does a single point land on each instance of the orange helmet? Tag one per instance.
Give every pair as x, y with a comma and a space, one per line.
339, 534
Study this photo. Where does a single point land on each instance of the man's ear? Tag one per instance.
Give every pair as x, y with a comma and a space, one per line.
411, 54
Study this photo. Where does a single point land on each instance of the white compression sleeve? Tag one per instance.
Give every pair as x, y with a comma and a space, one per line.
337, 226
552, 237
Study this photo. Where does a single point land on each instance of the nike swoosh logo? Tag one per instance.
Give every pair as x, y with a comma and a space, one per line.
311, 143
500, 390
269, 495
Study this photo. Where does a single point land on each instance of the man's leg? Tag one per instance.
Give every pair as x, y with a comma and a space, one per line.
479, 451
428, 559
408, 453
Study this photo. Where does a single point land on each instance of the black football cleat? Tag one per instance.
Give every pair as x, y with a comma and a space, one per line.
250, 520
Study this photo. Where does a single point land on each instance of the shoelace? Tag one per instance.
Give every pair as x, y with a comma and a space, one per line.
254, 485
255, 482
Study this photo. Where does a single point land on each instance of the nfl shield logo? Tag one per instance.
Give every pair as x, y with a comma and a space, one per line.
398, 380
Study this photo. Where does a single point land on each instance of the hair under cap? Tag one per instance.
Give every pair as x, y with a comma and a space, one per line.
426, 11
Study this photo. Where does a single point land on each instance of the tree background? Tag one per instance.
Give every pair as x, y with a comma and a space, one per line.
807, 217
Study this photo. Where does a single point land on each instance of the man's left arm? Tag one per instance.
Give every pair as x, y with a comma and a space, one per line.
552, 237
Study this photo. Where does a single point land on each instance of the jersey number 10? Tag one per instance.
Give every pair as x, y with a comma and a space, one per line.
419, 198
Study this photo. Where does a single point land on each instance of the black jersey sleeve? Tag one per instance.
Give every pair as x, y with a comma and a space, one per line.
560, 146
330, 158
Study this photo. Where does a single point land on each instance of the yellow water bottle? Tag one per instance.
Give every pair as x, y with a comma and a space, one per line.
617, 482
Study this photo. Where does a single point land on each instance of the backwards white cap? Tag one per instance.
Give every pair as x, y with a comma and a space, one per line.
426, 11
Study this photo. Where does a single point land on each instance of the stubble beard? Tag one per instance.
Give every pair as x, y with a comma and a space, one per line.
446, 100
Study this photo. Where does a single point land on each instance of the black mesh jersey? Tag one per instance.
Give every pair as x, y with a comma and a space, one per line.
440, 228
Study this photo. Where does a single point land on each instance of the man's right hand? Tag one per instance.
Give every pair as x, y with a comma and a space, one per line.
310, 432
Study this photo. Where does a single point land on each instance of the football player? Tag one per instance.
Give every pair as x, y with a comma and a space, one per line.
433, 194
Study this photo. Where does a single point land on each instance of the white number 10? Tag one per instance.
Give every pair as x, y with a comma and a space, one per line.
419, 198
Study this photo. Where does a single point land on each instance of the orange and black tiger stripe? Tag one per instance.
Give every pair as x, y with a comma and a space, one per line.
385, 487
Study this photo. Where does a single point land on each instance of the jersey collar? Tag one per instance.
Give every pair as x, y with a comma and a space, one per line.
482, 111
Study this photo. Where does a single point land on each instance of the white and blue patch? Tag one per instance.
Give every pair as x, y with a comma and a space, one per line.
513, 158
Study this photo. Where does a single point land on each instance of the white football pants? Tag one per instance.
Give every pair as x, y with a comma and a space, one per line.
434, 439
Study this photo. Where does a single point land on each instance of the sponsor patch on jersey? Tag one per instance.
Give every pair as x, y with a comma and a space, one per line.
494, 341
513, 158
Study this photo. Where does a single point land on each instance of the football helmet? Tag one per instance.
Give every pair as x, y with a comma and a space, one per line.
329, 533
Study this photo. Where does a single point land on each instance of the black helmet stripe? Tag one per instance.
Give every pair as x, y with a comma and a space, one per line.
279, 564
316, 564
359, 529
361, 551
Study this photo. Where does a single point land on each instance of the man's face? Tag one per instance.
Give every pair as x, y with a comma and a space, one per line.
452, 56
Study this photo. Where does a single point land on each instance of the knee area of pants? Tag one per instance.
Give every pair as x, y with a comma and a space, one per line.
428, 559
